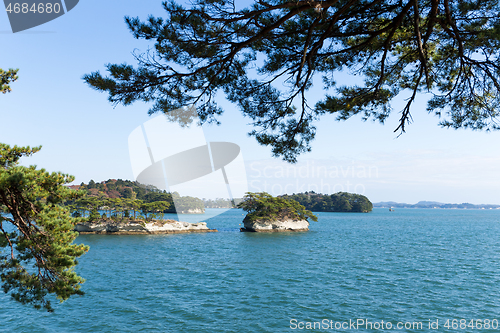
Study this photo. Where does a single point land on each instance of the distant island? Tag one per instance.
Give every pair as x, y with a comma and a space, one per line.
221, 203
433, 204
340, 202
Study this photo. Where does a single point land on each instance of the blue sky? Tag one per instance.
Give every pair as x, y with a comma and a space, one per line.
83, 135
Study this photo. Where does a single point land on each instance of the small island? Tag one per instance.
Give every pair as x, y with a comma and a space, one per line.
117, 207
266, 213
150, 219
120, 195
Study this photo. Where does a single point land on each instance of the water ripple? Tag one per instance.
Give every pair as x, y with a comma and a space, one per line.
409, 265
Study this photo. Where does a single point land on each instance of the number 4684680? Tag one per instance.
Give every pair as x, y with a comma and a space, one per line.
39, 8
463, 324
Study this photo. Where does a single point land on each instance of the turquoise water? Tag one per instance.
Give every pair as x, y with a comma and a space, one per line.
411, 265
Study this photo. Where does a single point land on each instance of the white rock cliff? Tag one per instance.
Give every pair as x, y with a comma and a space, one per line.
139, 227
275, 226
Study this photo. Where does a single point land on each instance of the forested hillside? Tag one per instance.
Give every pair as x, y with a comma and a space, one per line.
117, 192
337, 202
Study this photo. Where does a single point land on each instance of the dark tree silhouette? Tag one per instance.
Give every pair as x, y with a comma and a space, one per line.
265, 58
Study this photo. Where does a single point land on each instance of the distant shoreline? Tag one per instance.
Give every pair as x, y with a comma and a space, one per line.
435, 205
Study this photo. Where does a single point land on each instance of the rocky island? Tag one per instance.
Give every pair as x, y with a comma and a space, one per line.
110, 227
266, 213
123, 207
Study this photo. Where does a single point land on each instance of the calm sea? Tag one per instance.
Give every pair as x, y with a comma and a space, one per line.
406, 267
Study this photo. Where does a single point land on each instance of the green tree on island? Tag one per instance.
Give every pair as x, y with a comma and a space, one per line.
157, 208
263, 206
266, 57
37, 252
